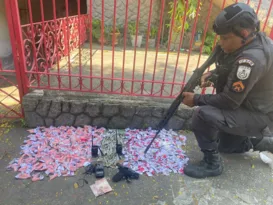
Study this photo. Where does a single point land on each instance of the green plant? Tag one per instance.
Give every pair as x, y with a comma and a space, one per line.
132, 28
107, 31
117, 30
120, 28
153, 32
96, 28
180, 11
23, 123
145, 126
209, 41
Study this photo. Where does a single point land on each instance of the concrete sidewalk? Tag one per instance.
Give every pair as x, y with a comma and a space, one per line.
246, 180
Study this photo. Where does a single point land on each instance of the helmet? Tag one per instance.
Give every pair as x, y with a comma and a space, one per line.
234, 16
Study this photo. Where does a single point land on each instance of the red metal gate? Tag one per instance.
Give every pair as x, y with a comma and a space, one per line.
12, 89
89, 46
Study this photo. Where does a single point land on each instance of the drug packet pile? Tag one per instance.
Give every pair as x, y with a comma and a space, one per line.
165, 155
61, 151
55, 152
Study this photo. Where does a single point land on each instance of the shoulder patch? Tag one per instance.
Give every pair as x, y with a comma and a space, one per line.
238, 87
246, 61
243, 72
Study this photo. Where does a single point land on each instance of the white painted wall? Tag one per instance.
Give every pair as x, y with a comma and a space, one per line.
5, 46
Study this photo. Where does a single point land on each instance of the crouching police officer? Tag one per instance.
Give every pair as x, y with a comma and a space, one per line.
237, 118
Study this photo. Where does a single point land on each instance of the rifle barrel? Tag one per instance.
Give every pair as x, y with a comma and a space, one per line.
189, 87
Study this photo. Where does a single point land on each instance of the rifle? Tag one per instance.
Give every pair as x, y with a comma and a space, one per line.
189, 87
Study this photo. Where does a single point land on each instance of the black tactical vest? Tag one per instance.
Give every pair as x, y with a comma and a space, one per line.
260, 98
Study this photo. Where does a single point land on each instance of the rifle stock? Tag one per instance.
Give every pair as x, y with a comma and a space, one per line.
189, 87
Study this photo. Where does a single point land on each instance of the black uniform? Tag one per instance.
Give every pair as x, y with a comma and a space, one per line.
243, 105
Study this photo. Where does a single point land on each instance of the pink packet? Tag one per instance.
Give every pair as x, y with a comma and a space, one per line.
22, 176
32, 131
15, 167
37, 177
51, 177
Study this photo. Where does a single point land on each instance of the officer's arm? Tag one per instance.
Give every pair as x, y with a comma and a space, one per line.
240, 81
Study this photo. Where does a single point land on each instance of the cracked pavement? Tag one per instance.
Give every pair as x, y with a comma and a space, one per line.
246, 180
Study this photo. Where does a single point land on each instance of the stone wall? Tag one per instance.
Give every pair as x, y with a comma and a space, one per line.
121, 9
116, 112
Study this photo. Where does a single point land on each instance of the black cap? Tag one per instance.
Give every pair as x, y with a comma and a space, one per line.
238, 14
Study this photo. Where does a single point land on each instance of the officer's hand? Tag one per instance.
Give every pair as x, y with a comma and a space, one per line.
188, 99
204, 82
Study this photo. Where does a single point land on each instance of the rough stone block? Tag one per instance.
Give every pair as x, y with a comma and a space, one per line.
65, 119
127, 111
55, 109
65, 107
30, 104
188, 124
31, 100
110, 110
144, 111
185, 112
158, 112
100, 122
118, 123
43, 107
77, 107
93, 110
136, 123
33, 119
49, 122
151, 122
36, 93
82, 120
175, 123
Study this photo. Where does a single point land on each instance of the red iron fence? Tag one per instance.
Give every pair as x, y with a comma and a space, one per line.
47, 42
126, 47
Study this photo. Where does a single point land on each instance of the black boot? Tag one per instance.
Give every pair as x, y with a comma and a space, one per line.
210, 166
266, 144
